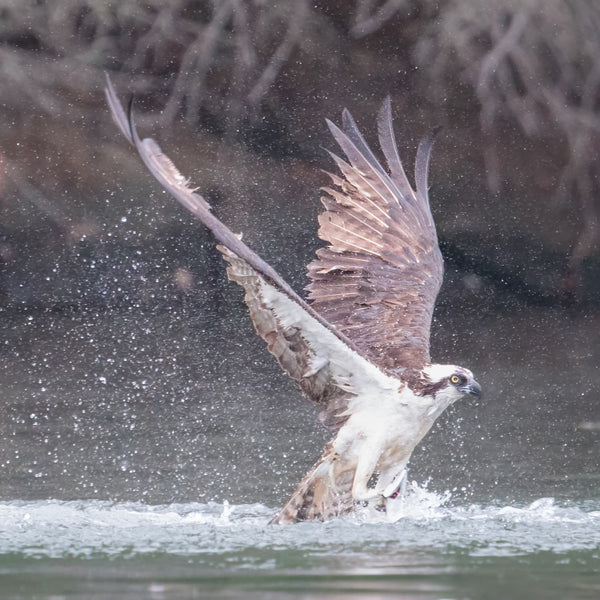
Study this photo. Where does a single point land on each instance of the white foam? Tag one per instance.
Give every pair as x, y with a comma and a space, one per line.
422, 519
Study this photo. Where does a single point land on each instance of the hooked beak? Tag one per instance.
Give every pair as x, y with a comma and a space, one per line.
472, 389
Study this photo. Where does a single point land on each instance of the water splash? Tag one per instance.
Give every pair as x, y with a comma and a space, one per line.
226, 533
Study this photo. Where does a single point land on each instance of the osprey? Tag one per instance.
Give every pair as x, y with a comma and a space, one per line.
359, 346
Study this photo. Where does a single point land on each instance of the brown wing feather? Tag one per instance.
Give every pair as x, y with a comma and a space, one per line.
378, 278
314, 374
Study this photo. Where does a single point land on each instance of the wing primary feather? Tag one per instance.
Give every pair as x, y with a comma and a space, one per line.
422, 167
362, 165
387, 139
346, 242
116, 110
353, 216
348, 171
359, 167
356, 137
355, 234
339, 197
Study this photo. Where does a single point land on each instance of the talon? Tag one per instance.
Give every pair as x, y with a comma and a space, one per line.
398, 486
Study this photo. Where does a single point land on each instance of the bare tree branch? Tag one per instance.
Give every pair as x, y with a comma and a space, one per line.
534, 62
195, 64
282, 54
369, 19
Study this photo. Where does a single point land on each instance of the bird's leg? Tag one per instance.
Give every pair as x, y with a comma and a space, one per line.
364, 471
398, 485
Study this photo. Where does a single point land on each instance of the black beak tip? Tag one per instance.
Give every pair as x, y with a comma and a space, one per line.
473, 389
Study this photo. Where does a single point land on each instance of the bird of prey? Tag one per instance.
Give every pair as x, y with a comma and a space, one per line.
359, 345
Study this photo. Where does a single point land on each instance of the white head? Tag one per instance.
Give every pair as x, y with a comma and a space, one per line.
446, 383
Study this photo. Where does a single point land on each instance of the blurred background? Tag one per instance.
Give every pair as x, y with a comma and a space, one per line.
128, 365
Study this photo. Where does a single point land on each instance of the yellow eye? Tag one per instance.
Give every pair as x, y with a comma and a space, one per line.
455, 379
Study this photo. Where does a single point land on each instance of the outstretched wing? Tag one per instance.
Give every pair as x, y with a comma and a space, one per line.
378, 278
325, 363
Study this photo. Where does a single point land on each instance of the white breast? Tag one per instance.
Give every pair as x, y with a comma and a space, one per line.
382, 432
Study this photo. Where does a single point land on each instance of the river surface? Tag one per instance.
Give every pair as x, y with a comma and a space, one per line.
143, 454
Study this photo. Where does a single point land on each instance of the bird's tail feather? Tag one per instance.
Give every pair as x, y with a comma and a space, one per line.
324, 493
